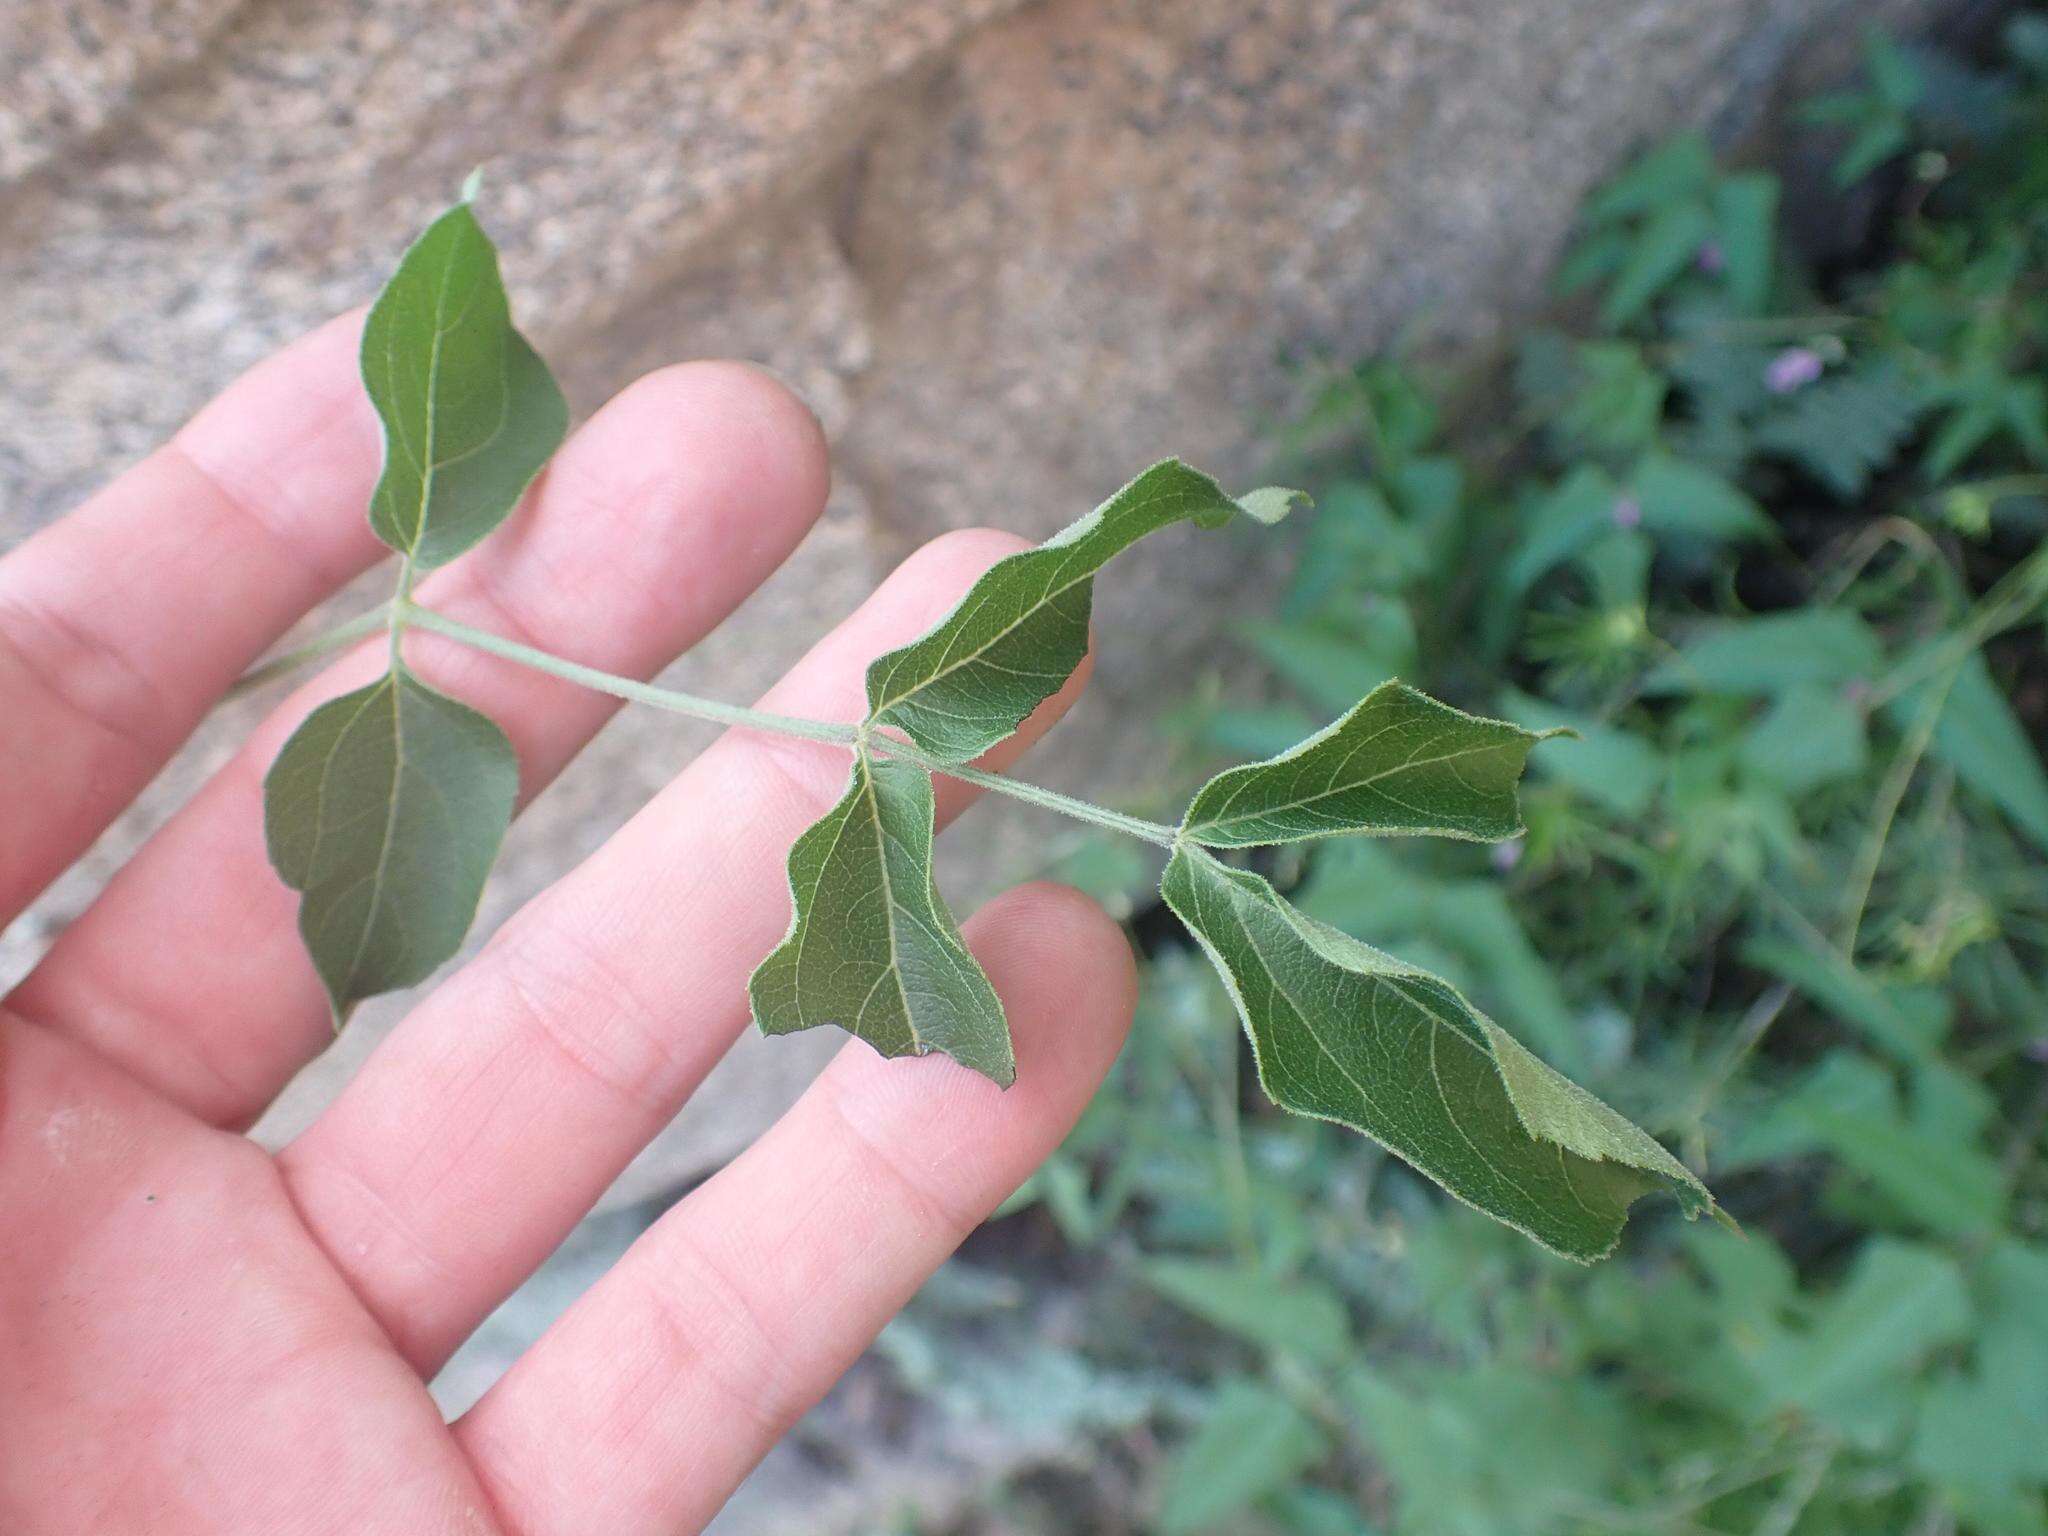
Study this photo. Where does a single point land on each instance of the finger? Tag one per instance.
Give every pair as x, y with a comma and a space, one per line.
642, 1409
489, 1121
121, 624
653, 522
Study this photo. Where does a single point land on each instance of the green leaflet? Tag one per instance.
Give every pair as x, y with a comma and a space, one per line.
1020, 631
469, 410
1400, 762
1764, 656
1344, 1033
385, 810
1297, 1316
1981, 738
1251, 1441
870, 946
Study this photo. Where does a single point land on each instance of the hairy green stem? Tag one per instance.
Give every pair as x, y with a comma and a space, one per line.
625, 687
1034, 794
830, 732
359, 628
400, 609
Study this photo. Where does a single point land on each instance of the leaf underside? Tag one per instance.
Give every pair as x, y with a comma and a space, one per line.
1344, 1033
470, 412
1022, 629
385, 810
871, 946
1399, 762
386, 807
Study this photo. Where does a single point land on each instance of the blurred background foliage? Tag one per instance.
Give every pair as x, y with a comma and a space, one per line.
1767, 530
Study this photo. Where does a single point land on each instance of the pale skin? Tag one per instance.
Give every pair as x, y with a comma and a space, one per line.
196, 1335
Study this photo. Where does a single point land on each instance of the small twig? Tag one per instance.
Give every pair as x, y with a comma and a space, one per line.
833, 733
265, 673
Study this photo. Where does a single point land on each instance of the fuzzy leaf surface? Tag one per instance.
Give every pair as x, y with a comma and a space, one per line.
1345, 1033
1399, 762
385, 810
1020, 631
871, 947
470, 412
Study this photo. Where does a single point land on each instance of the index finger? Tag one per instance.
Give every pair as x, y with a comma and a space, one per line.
123, 623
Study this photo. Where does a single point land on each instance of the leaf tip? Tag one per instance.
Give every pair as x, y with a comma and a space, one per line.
1270, 503
472, 184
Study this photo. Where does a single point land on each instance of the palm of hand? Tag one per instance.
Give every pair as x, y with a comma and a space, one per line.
198, 1336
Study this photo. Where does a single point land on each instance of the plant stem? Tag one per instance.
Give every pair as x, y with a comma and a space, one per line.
1891, 793
1033, 794
265, 673
830, 732
2018, 596
401, 610
625, 687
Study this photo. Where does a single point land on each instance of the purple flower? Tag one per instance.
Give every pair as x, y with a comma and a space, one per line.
1793, 368
1506, 856
1712, 260
1628, 512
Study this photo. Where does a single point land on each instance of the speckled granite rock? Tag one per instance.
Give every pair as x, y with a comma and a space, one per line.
1010, 251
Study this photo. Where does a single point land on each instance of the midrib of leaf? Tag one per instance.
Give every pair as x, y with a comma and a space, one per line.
427, 461
326, 769
1436, 1079
894, 970
429, 464
390, 823
803, 932
1051, 595
1221, 817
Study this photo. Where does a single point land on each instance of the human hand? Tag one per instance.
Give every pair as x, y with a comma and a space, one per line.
198, 1336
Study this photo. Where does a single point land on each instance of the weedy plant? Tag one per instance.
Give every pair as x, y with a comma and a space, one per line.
1769, 528
386, 808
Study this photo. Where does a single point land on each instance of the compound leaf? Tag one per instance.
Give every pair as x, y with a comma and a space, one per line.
1020, 631
470, 412
871, 947
1344, 1033
385, 810
1399, 762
